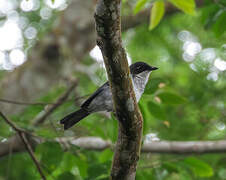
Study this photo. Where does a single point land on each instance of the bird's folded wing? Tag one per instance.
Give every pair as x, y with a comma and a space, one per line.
95, 94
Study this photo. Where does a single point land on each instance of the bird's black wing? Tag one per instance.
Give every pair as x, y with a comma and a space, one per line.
95, 94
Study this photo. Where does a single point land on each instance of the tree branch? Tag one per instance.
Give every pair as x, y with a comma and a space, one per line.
22, 135
185, 147
15, 142
44, 114
38, 103
23, 103
99, 144
170, 147
127, 151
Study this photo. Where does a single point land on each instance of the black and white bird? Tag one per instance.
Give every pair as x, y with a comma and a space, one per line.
101, 99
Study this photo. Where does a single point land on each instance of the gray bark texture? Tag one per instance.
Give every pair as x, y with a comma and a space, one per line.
14, 144
127, 150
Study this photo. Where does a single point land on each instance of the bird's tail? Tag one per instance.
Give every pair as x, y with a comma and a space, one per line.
73, 118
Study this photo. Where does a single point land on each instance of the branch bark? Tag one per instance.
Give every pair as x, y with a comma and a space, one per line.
127, 151
169, 147
98, 144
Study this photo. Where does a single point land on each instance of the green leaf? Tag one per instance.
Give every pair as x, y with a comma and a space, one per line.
46, 132
106, 155
139, 5
153, 85
199, 167
170, 167
157, 13
82, 165
221, 2
147, 174
69, 162
187, 6
51, 154
5, 129
146, 114
66, 176
98, 170
156, 110
102, 177
111, 128
207, 15
171, 98
220, 26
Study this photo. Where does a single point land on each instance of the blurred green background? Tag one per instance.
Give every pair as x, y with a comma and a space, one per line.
184, 100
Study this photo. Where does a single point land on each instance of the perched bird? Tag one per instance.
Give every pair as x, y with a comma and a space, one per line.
101, 100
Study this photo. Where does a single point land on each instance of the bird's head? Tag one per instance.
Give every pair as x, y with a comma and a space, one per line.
140, 67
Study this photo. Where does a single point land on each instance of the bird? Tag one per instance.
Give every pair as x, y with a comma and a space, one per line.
101, 99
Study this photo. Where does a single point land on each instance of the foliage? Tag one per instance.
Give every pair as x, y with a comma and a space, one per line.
157, 13
179, 103
213, 14
158, 9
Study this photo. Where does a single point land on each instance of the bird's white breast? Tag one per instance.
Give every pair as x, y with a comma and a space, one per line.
139, 83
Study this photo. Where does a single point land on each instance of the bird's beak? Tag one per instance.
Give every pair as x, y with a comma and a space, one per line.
153, 68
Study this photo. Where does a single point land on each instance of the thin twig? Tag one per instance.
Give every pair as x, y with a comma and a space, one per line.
30, 151
24, 103
22, 135
10, 123
8, 101
40, 119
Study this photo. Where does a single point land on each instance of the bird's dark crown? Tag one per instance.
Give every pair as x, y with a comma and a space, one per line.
139, 67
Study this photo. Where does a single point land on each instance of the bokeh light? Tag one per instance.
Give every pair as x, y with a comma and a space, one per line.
30, 32
7, 65
208, 55
13, 16
10, 36
220, 126
186, 36
151, 137
23, 22
8, 5
2, 58
212, 76
192, 48
192, 51
45, 13
96, 54
220, 64
29, 5
19, 30
17, 57
57, 4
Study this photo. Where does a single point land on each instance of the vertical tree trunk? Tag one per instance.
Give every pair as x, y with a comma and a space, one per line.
127, 152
